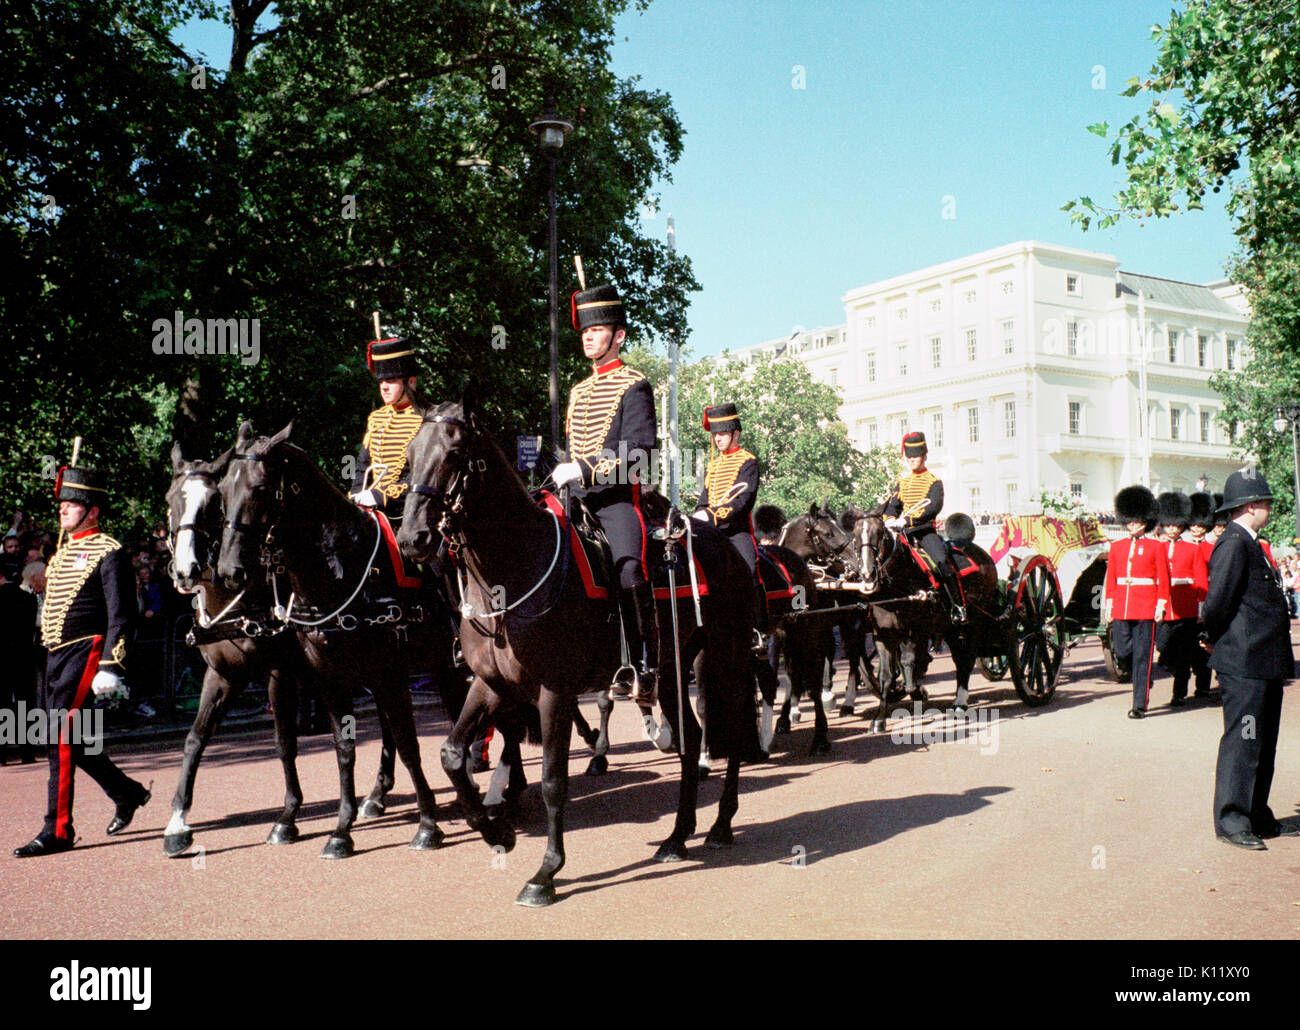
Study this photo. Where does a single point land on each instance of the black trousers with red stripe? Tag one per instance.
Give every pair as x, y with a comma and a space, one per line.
69, 671
620, 517
1135, 639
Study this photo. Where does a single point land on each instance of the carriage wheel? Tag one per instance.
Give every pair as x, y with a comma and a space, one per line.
993, 668
1038, 633
1116, 668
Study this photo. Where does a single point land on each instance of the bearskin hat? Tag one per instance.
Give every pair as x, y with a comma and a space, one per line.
959, 528
1175, 509
1134, 503
1202, 510
769, 520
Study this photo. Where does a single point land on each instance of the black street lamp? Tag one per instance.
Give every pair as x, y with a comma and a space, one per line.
550, 131
1289, 414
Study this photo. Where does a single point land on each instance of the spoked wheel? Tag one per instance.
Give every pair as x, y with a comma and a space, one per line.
1038, 636
1116, 668
994, 668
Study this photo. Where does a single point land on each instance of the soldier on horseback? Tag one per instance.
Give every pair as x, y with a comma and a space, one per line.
382, 478
611, 429
912, 507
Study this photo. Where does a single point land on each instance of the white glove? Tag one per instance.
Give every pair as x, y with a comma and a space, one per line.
368, 499
894, 523
1105, 612
108, 684
566, 473
702, 515
1200, 611
1160, 610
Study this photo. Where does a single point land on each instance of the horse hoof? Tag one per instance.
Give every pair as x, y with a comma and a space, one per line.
719, 837
499, 834
338, 846
705, 770
371, 809
783, 725
959, 711
282, 833
796, 716
877, 725
598, 766
663, 740
671, 851
820, 746
427, 838
846, 710
920, 697
536, 895
176, 844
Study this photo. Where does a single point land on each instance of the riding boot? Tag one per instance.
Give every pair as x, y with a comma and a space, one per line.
950, 587
627, 615
764, 626
647, 623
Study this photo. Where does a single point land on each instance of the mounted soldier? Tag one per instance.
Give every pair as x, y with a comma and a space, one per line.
382, 478
913, 505
611, 429
86, 625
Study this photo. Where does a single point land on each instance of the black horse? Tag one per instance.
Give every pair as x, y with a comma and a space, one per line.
240, 642
333, 578
911, 609
533, 635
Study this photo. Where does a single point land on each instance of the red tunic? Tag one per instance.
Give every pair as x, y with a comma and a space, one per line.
1188, 579
1137, 576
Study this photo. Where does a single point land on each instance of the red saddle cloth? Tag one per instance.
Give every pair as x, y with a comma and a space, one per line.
776, 578
597, 589
407, 580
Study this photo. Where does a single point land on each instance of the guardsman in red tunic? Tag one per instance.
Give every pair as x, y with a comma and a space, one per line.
86, 623
612, 431
382, 478
1202, 521
1177, 636
913, 506
1137, 589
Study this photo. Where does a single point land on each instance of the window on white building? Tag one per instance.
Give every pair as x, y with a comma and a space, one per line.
871, 366
936, 428
1076, 418
970, 296
1232, 355
975, 499
1008, 287
1009, 336
1173, 346
973, 423
1072, 284
1175, 423
1009, 419
972, 350
1206, 426
902, 361
936, 351
1202, 350
835, 377
1076, 492
1013, 497
1072, 339
873, 436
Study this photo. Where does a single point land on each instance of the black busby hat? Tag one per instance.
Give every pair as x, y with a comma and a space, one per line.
959, 527
1135, 503
393, 358
914, 445
1202, 513
721, 418
1220, 513
1175, 509
83, 486
599, 305
1243, 486
769, 520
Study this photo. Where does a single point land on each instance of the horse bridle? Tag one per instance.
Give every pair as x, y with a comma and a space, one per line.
825, 553
266, 557
452, 499
200, 533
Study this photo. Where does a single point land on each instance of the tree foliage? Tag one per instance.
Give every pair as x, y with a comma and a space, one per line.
1225, 114
353, 156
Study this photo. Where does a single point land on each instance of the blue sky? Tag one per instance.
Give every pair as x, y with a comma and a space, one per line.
786, 198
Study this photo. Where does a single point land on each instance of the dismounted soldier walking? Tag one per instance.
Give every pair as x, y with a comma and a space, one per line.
912, 508
611, 430
1248, 634
86, 623
1137, 590
1202, 521
382, 478
1177, 634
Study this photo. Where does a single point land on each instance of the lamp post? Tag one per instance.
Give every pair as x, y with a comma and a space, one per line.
1289, 414
551, 132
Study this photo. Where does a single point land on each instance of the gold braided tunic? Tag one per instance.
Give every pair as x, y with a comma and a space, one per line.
382, 462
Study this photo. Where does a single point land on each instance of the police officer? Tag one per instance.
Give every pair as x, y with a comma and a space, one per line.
1248, 634
1137, 589
611, 430
913, 506
1177, 634
382, 477
85, 624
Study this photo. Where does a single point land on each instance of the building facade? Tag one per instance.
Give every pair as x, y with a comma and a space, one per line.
1023, 366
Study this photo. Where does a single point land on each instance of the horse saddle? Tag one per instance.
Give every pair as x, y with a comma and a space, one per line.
587, 545
962, 563
777, 582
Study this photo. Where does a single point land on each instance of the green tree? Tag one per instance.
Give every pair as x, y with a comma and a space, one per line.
1225, 114
352, 156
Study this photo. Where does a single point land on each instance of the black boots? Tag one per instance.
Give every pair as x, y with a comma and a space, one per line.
641, 627
949, 578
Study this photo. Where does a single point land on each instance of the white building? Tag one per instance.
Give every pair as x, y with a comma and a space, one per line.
1022, 366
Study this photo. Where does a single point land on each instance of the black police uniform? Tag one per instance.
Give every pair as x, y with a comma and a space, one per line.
1247, 624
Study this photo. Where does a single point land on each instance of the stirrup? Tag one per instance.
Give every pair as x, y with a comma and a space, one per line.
646, 687
959, 613
621, 686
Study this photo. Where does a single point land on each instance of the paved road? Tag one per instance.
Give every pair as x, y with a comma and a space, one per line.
1067, 821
